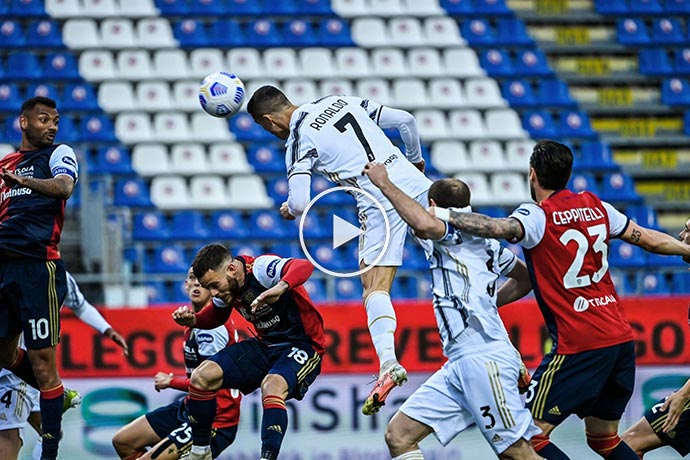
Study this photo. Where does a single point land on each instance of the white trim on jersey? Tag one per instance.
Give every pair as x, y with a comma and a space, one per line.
268, 270
63, 161
211, 341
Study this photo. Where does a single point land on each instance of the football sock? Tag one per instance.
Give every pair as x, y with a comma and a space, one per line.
414, 455
201, 407
273, 425
622, 452
51, 420
542, 445
21, 367
610, 446
382, 323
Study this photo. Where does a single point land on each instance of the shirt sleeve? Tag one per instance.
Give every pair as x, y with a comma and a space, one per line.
86, 312
299, 193
533, 221
618, 221
506, 260
63, 161
300, 149
211, 341
268, 270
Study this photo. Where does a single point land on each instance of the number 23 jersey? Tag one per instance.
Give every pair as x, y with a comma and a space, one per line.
566, 246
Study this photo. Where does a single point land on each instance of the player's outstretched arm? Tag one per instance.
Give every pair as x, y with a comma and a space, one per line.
655, 241
675, 405
477, 224
424, 224
299, 191
518, 285
406, 125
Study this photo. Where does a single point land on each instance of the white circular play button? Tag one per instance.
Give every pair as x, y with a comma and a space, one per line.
343, 233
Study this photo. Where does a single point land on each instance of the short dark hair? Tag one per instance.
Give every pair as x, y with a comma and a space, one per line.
450, 193
210, 257
267, 99
552, 163
29, 104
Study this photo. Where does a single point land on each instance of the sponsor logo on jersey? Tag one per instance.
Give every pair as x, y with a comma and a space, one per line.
69, 161
581, 304
271, 268
204, 338
15, 192
496, 438
322, 118
577, 215
267, 324
25, 172
523, 211
555, 411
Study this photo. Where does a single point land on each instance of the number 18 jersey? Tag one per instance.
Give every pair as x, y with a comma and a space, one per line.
336, 136
566, 249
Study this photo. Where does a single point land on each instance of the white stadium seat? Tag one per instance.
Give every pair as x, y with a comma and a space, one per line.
424, 62
375, 89
352, 62
170, 192
154, 95
446, 93
171, 65
63, 8
350, 8
483, 93
509, 188
317, 62
80, 34
117, 33
409, 93
137, 8
479, 188
370, 32
419, 8
209, 129
204, 61
171, 127
134, 65
155, 33
486, 155
99, 8
431, 124
281, 62
466, 124
228, 158
246, 61
208, 192
389, 63
188, 159
462, 62
517, 154
504, 124
405, 31
134, 127
116, 96
252, 85
442, 31
335, 86
300, 91
247, 192
96, 65
385, 7
150, 160
185, 95
450, 157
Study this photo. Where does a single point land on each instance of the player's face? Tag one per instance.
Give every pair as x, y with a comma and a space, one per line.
197, 294
40, 125
684, 234
223, 284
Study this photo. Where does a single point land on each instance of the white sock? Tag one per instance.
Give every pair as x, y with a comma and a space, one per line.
200, 449
414, 455
382, 324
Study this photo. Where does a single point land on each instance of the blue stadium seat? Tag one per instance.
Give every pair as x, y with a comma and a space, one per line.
277, 189
68, 131
263, 33
622, 282
677, 6
150, 226
227, 225
286, 250
156, 292
686, 121
496, 62
167, 259
44, 34
283, 8
173, 7
583, 181
207, 8
245, 130
619, 187
189, 225
26, 8
191, 34
269, 225
316, 226
348, 289
478, 32
319, 184
11, 97
226, 33
61, 65
654, 284
11, 34
680, 283
316, 288
79, 97
625, 255
45, 90
491, 7
244, 8
266, 158
632, 31
575, 124
645, 7
667, 31
74, 201
655, 62
112, 161
313, 7
413, 256
326, 256
4, 8
132, 192
177, 293
458, 7
23, 65
681, 61
404, 288
518, 93
675, 91
298, 33
12, 134
247, 249
97, 128
531, 63
658, 260
611, 7
512, 32
644, 215
596, 156
539, 124
334, 32
554, 93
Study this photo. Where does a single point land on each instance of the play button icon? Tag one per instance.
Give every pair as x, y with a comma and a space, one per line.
343, 232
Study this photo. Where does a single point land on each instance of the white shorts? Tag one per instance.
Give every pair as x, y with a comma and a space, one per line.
373, 237
17, 401
478, 388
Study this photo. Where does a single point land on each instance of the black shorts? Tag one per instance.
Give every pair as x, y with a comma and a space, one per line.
31, 294
597, 383
679, 439
246, 363
171, 422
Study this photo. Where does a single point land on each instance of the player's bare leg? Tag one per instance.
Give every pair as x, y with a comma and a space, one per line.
520, 450
201, 406
10, 444
542, 444
403, 436
130, 441
641, 437
43, 361
602, 438
382, 323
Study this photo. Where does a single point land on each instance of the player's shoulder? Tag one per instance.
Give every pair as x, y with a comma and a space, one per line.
527, 210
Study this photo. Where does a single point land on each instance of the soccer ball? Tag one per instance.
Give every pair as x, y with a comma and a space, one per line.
221, 94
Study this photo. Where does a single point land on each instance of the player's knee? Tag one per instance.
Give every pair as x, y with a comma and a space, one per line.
205, 378
120, 443
396, 440
603, 443
274, 384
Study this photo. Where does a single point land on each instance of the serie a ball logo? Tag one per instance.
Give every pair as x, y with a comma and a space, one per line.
221, 94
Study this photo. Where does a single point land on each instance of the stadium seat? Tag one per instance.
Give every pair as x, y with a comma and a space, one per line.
244, 8
96, 65
117, 34
11, 97
188, 225
496, 63
263, 33
424, 62
80, 34
227, 225
662, 261
680, 283
134, 65
153, 96
266, 158
79, 97
491, 7
155, 33
655, 62
611, 7
112, 160
243, 127
171, 65
69, 132
409, 93
632, 31
173, 7
389, 63
625, 255
247, 59
137, 8
645, 7
12, 133
268, 225
100, 8
318, 62
150, 226
247, 192
156, 292
413, 258
518, 93
18, 8
300, 91
405, 32
277, 189
352, 62
462, 63
583, 181
205, 129
60, 66
645, 216
667, 31
376, 89
450, 157
247, 249
170, 192
298, 33
63, 8
185, 95
509, 188
167, 259
150, 160
45, 90
531, 63
97, 128
477, 32
595, 156
116, 97
313, 8
385, 7
282, 62
503, 124
315, 226
228, 158
207, 8
335, 86
677, 6
23, 65
654, 284
575, 124
512, 32
458, 7
517, 155
554, 93
12, 34
204, 61
133, 127
131, 193
486, 156
191, 33
334, 33
226, 33
446, 93
316, 288
622, 283
466, 124
370, 32
682, 61
619, 187
686, 122
483, 93
188, 159
479, 187
441, 32
326, 256
432, 124
171, 127
675, 91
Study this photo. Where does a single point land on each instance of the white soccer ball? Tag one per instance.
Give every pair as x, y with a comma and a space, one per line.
221, 94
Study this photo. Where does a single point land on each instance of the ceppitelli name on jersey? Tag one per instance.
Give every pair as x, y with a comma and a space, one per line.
327, 114
577, 215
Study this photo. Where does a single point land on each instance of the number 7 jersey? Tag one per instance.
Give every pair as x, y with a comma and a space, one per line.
566, 249
336, 136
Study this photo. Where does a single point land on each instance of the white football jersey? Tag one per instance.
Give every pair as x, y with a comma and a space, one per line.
464, 277
336, 136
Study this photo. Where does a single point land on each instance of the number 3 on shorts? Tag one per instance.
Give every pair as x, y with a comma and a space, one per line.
300, 356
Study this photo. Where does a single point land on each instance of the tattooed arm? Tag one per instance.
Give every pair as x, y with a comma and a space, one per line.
487, 227
654, 241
